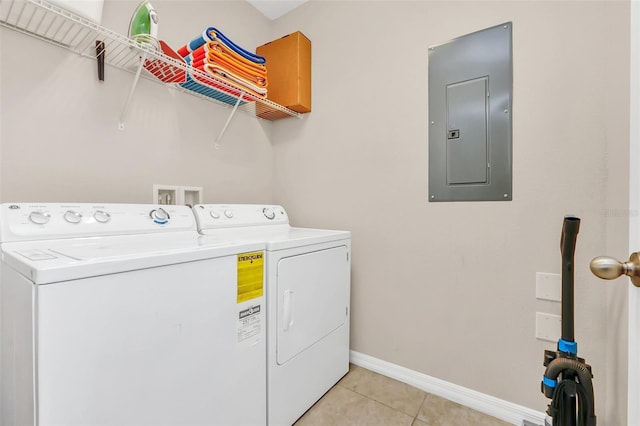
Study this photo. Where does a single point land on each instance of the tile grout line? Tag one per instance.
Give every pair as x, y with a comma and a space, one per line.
388, 406
421, 405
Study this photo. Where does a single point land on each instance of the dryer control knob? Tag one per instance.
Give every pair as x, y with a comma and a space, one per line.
101, 216
39, 217
159, 216
269, 213
228, 214
72, 216
214, 214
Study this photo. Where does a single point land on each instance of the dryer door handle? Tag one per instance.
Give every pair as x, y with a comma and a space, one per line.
287, 317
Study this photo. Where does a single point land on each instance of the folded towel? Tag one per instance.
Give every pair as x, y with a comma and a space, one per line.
231, 78
234, 72
213, 89
223, 73
215, 49
213, 34
234, 68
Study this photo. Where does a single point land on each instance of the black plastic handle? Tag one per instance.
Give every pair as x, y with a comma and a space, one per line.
570, 229
100, 52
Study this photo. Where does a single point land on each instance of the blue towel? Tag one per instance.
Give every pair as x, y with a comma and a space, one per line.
211, 34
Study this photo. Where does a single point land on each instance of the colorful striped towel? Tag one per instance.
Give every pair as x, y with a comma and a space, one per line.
231, 78
212, 90
213, 34
220, 65
252, 77
224, 74
219, 52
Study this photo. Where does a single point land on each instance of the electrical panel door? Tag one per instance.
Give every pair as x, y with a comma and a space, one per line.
467, 135
470, 96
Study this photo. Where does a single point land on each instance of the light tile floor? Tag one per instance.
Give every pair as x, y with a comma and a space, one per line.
363, 397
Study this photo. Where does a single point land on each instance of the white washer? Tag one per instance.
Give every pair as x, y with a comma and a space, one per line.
122, 315
308, 286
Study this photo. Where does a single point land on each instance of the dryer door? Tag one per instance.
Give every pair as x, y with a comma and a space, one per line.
313, 299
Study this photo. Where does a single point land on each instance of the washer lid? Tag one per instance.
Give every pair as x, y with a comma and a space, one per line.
51, 261
128, 247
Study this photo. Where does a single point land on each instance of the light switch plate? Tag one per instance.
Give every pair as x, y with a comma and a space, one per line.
548, 326
548, 286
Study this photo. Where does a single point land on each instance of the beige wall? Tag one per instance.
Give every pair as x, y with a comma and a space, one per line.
59, 125
446, 289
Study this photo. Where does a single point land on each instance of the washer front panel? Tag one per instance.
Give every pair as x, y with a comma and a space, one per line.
157, 346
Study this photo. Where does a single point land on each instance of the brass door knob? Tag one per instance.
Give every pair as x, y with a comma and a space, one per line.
609, 268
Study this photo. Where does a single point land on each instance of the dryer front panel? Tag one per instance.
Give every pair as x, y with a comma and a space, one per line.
312, 299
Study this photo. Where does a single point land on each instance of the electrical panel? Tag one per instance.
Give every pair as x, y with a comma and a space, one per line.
470, 100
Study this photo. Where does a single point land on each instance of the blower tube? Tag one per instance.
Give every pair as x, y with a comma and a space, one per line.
570, 229
567, 378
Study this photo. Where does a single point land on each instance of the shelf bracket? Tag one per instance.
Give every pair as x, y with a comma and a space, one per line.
233, 111
143, 58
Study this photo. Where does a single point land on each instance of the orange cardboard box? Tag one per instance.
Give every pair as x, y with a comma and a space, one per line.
288, 73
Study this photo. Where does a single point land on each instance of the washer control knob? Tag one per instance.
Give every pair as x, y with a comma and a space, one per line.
269, 213
39, 217
101, 216
214, 214
72, 216
228, 214
159, 216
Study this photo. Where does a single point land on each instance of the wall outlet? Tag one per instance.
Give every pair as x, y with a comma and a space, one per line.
177, 195
548, 286
548, 326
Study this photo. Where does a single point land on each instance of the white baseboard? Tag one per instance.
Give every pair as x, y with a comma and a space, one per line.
499, 408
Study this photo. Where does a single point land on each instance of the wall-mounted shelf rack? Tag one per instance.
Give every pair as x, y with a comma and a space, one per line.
55, 25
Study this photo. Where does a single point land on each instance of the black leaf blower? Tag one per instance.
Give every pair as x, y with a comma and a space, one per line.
567, 378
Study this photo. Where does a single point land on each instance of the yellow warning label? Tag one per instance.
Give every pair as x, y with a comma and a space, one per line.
250, 275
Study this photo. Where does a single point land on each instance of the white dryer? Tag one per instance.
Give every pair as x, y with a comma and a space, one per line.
308, 289
121, 315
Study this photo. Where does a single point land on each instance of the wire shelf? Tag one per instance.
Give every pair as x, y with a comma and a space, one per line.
55, 25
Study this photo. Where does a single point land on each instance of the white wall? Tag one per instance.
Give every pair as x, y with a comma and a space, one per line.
448, 289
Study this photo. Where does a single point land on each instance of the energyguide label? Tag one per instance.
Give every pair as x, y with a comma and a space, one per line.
250, 275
